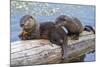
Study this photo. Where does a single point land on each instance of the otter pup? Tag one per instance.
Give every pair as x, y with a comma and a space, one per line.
30, 28
73, 25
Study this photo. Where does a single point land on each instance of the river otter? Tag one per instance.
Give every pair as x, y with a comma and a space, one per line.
56, 35
30, 28
46, 30
73, 25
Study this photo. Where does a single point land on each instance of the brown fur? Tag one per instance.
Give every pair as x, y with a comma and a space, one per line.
73, 25
30, 28
56, 35
46, 30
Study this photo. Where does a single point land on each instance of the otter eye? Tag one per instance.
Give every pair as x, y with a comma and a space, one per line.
63, 19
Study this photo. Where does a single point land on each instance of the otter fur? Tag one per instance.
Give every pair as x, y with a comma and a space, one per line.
56, 35
46, 30
30, 28
73, 25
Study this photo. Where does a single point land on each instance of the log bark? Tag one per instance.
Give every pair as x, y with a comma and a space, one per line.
33, 52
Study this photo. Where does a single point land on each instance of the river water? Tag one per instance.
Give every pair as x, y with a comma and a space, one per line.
48, 12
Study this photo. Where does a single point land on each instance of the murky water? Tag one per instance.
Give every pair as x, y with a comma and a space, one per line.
48, 12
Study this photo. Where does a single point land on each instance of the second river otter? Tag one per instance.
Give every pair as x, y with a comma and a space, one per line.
73, 25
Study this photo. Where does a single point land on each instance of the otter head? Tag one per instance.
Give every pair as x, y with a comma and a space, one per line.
27, 23
62, 20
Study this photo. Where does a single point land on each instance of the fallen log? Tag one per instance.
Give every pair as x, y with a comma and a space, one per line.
33, 52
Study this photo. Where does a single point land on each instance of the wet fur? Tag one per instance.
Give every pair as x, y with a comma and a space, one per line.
73, 25
45, 30
55, 34
29, 33
89, 28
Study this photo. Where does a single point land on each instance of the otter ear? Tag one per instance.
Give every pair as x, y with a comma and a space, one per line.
31, 17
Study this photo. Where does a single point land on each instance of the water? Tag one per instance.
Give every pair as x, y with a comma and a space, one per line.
47, 12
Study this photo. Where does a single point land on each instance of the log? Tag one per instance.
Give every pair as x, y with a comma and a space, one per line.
34, 52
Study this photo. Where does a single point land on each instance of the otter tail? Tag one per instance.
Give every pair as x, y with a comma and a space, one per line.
89, 28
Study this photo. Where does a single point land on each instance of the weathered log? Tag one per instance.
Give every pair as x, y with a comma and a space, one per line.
33, 52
